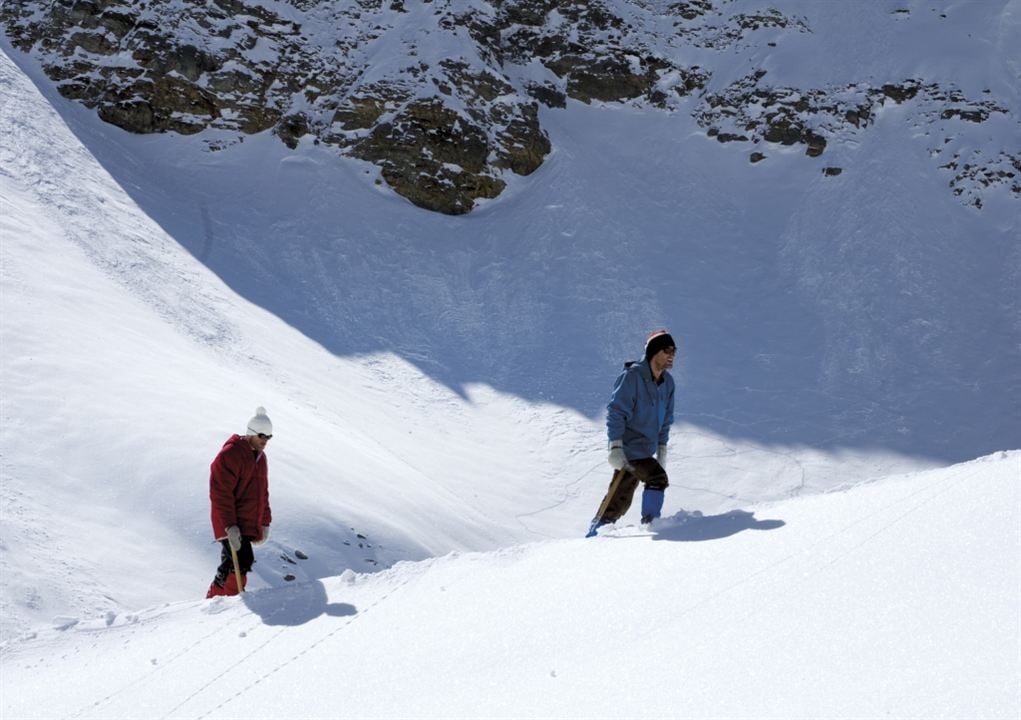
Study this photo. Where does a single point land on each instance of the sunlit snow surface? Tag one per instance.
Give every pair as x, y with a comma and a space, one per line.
436, 387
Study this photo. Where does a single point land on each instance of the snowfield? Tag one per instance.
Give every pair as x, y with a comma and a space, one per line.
831, 546
893, 599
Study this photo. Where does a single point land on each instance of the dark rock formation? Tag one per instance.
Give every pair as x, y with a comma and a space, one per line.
444, 130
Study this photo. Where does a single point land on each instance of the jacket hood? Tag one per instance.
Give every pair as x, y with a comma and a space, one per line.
641, 366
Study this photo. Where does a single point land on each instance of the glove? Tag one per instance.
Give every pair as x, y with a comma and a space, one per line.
265, 535
661, 456
617, 459
234, 537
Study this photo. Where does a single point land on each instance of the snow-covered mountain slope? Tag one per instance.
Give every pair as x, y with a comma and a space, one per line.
893, 599
874, 309
126, 364
438, 382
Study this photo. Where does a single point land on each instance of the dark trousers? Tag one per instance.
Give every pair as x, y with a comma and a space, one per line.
246, 558
622, 487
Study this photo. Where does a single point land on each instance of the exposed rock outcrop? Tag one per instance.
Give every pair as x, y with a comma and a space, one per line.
444, 97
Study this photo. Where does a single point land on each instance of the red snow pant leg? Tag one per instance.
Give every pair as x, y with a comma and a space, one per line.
225, 582
618, 500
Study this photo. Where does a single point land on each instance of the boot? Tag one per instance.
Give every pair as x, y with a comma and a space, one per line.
652, 504
230, 586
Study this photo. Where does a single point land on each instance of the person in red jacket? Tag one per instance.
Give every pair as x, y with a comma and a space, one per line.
239, 496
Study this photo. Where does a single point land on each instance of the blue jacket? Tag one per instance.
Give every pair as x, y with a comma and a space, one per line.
640, 411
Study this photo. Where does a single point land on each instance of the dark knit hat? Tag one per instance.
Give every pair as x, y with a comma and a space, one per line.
656, 341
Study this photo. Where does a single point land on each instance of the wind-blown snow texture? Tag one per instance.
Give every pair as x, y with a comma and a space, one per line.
436, 386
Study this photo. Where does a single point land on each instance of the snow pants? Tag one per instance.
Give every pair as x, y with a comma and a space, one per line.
225, 582
622, 487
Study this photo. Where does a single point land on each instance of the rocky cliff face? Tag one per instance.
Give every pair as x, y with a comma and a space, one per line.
443, 96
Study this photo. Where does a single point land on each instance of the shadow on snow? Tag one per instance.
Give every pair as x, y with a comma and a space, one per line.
684, 527
295, 604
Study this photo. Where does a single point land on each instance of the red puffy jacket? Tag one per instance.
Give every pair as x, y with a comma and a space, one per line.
239, 489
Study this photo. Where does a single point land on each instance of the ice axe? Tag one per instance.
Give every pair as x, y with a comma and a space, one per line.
237, 568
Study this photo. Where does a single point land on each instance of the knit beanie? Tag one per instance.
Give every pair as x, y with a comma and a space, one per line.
260, 423
656, 341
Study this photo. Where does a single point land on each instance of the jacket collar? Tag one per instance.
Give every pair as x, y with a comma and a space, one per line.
646, 370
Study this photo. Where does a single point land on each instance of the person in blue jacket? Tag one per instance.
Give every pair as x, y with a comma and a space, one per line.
638, 420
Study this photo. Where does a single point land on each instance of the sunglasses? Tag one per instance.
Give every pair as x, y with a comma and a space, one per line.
264, 436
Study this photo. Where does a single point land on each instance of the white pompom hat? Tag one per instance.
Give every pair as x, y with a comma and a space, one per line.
260, 423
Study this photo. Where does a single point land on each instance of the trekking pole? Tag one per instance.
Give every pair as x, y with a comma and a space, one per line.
237, 568
614, 484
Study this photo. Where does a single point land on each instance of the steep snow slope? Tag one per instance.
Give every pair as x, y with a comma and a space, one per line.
894, 599
438, 382
874, 309
126, 364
